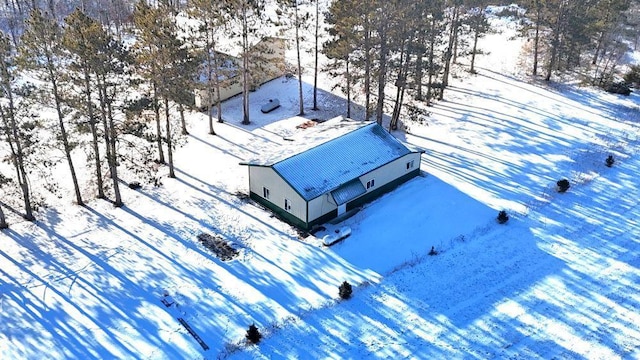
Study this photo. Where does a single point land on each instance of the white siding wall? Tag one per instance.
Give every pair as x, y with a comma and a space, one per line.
391, 171
382, 176
320, 206
279, 190
202, 95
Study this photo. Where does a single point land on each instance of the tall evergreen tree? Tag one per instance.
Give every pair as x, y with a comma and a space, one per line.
213, 19
479, 26
249, 16
39, 52
15, 138
173, 62
79, 33
99, 59
298, 20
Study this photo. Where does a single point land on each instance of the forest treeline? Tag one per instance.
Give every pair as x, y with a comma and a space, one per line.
77, 58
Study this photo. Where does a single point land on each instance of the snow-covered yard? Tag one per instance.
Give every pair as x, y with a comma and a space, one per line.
561, 279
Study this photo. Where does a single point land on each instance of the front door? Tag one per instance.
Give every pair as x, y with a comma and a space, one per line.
342, 209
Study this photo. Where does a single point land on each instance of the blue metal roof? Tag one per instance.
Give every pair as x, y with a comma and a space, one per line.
348, 192
334, 163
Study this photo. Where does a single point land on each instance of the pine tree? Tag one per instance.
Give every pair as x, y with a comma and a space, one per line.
172, 62
297, 20
100, 60
79, 33
145, 50
39, 52
479, 26
454, 24
315, 54
341, 46
212, 19
13, 134
248, 15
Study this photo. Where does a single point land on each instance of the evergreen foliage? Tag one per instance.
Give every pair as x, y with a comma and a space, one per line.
40, 51
502, 217
609, 161
253, 335
563, 185
345, 290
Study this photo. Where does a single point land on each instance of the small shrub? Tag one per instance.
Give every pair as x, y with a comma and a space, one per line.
345, 290
253, 335
621, 88
134, 185
433, 251
610, 160
633, 75
502, 217
563, 185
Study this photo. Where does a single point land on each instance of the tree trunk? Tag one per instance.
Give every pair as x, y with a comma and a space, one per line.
402, 86
432, 43
382, 72
367, 69
300, 94
315, 67
554, 45
476, 35
13, 136
536, 39
209, 89
156, 110
64, 136
245, 67
348, 88
419, 66
400, 80
3, 220
449, 52
17, 156
218, 99
183, 123
113, 153
94, 133
169, 141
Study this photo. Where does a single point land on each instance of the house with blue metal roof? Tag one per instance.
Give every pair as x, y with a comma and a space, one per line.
323, 180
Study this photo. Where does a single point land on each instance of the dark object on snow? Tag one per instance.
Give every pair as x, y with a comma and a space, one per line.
193, 333
134, 185
270, 106
345, 290
253, 335
610, 161
563, 185
503, 217
218, 246
433, 251
621, 88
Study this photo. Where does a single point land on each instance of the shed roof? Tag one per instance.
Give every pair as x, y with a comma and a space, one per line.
336, 162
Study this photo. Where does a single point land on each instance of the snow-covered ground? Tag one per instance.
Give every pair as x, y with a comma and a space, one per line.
561, 279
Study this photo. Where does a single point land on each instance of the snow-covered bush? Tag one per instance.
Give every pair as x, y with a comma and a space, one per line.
633, 76
253, 335
563, 185
502, 217
345, 290
610, 160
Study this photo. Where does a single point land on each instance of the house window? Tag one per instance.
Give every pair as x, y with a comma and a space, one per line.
370, 183
265, 193
410, 165
287, 204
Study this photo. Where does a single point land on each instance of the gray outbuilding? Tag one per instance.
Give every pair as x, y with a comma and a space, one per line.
308, 187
